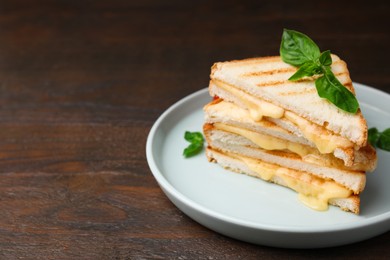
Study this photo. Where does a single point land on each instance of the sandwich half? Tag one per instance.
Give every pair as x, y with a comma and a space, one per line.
261, 86
263, 125
313, 182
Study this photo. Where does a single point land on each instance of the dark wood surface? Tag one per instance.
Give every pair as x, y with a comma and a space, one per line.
81, 84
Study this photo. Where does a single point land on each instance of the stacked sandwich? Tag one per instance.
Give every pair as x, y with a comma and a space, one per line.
261, 124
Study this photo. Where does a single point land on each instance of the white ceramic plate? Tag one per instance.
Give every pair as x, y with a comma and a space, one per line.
255, 211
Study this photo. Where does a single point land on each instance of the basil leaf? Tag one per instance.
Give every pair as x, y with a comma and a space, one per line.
325, 58
384, 140
307, 69
297, 48
196, 139
193, 137
373, 136
330, 88
192, 149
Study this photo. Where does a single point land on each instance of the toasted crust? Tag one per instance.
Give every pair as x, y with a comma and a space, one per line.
267, 79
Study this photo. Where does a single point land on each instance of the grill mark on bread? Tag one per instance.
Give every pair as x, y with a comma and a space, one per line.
268, 72
341, 74
296, 93
347, 84
271, 83
277, 60
268, 59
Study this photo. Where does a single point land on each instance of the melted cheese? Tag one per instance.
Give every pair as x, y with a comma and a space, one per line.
312, 191
266, 142
325, 141
257, 107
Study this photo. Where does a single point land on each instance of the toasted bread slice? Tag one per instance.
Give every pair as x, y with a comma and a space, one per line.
327, 169
266, 80
315, 192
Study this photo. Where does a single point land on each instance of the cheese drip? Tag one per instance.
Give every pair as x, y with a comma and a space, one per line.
266, 142
312, 191
257, 107
325, 142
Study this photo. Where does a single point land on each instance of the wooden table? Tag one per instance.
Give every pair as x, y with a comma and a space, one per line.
81, 84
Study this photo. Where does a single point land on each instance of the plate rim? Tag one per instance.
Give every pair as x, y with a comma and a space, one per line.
167, 187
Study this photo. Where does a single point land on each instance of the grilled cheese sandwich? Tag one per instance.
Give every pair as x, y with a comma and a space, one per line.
266, 126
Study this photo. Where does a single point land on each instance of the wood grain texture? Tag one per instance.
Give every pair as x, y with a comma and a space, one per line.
82, 82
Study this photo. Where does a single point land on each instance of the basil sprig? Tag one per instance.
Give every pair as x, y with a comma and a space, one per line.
379, 139
300, 51
196, 143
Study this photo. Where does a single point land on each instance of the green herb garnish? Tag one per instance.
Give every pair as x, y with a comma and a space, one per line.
196, 143
299, 50
379, 139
